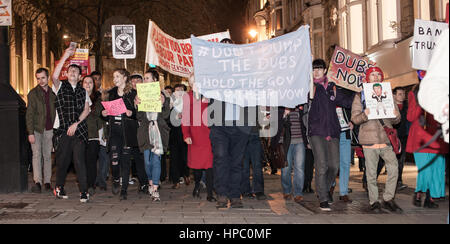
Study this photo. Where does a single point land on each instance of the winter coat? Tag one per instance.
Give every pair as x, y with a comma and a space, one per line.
200, 151
371, 131
418, 135
164, 130
323, 120
37, 111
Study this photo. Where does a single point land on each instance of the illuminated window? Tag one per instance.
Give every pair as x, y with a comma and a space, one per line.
360, 32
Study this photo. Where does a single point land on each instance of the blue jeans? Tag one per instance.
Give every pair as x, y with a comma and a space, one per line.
296, 161
152, 166
253, 153
345, 148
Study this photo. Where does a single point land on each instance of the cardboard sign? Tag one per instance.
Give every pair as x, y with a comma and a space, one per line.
173, 55
379, 100
150, 96
124, 41
348, 70
5, 13
115, 107
426, 34
275, 72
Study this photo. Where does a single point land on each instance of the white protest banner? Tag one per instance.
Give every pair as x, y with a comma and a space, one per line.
5, 13
124, 41
275, 72
173, 55
426, 33
379, 100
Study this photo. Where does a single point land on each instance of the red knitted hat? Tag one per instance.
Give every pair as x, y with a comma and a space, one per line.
374, 69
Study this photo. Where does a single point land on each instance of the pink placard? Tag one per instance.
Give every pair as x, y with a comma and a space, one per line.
115, 107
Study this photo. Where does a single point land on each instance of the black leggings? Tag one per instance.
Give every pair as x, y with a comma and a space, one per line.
209, 179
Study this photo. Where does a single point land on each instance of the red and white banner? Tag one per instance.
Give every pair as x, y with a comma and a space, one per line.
173, 55
5, 13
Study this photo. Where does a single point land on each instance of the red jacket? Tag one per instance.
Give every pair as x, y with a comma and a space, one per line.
418, 136
199, 152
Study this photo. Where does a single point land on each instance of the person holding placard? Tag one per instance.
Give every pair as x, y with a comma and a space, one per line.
72, 107
376, 144
122, 138
324, 132
153, 136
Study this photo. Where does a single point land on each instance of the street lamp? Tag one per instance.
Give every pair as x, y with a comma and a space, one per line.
253, 33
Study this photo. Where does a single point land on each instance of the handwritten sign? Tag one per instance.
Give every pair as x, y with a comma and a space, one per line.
150, 96
173, 55
348, 70
275, 72
426, 34
379, 100
115, 107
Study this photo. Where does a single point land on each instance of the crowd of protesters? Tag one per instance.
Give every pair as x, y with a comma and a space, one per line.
70, 118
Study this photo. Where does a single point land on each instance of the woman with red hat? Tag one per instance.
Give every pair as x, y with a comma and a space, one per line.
376, 144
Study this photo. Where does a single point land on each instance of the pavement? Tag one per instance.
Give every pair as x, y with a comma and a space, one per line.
177, 206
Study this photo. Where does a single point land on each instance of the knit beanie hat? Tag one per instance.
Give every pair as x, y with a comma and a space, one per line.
374, 69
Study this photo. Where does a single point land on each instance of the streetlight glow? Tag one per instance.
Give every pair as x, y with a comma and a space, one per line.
253, 33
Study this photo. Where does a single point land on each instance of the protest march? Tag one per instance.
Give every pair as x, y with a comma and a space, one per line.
161, 107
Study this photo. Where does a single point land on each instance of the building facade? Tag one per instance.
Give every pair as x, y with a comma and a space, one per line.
29, 50
379, 29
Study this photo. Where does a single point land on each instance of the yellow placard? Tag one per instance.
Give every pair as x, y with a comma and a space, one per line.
150, 96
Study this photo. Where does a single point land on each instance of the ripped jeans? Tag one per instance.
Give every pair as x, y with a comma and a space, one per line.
120, 156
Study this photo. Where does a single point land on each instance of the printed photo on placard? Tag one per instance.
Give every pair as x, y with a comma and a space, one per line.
379, 100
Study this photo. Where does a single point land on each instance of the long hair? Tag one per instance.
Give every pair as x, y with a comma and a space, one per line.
128, 85
94, 96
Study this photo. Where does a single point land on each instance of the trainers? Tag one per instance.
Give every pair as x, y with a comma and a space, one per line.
375, 207
324, 206
84, 197
236, 203
392, 206
60, 193
155, 196
143, 189
36, 188
150, 190
260, 196
115, 187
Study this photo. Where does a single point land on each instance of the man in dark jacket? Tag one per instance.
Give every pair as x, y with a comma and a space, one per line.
402, 131
40, 117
